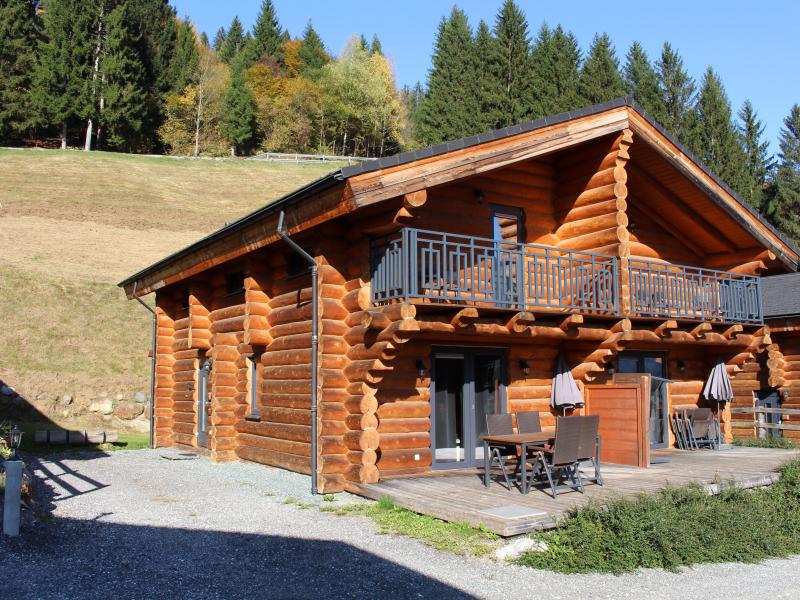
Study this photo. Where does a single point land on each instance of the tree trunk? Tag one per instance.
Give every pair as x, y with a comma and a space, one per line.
198, 120
233, 151
64, 135
87, 145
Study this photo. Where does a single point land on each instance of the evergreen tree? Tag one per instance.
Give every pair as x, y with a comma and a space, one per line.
641, 81
312, 52
600, 79
376, 47
512, 64
363, 43
186, 57
759, 161
158, 26
204, 40
556, 60
451, 107
714, 139
233, 43
19, 37
489, 89
677, 92
62, 92
126, 114
219, 39
239, 114
784, 205
267, 33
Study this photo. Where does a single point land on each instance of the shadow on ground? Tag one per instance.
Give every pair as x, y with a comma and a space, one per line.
69, 558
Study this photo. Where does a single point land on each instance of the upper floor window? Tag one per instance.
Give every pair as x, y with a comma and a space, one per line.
234, 283
508, 224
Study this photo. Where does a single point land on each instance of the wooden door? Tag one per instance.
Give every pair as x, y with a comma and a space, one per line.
624, 411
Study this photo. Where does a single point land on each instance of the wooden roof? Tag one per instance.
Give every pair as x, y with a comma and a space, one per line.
714, 206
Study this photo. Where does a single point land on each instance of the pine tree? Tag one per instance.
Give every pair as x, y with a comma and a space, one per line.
312, 52
556, 60
600, 79
714, 139
186, 57
239, 114
641, 81
512, 64
759, 161
61, 81
489, 89
376, 47
677, 91
19, 37
784, 205
451, 108
267, 33
126, 114
219, 39
204, 40
233, 43
158, 26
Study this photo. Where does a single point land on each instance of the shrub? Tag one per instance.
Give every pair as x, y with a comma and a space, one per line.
675, 527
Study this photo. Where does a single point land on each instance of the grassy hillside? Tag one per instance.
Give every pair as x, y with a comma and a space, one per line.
74, 224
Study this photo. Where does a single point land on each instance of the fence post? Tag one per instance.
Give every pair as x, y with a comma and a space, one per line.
13, 496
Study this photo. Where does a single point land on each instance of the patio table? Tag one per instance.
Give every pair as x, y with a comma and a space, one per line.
517, 440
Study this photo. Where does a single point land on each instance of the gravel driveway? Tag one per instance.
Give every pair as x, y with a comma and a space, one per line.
137, 525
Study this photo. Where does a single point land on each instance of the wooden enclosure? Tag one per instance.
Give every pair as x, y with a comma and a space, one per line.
549, 223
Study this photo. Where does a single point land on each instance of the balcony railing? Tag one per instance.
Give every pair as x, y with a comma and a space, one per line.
679, 292
429, 266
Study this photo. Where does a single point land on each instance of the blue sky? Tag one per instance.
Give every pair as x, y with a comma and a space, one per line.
754, 46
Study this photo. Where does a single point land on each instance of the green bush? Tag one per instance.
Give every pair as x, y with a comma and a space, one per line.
676, 527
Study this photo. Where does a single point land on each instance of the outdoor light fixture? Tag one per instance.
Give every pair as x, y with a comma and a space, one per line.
785, 393
479, 196
524, 366
681, 366
420, 369
610, 370
15, 438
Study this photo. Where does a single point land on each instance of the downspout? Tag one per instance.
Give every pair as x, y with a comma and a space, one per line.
314, 344
152, 360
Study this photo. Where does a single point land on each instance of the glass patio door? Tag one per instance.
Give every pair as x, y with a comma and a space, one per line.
654, 364
466, 385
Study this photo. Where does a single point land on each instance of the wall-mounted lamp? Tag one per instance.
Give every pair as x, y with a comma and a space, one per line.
631, 225
785, 393
524, 367
681, 366
420, 369
611, 370
479, 196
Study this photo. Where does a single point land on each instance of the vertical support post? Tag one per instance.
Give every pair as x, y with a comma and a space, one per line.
13, 496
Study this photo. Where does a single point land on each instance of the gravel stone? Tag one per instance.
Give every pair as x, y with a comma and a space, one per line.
169, 524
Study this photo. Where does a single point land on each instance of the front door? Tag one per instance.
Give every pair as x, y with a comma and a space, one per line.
466, 385
203, 401
654, 364
769, 399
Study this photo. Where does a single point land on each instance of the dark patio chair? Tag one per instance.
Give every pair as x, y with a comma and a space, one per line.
501, 424
560, 463
589, 448
528, 422
702, 428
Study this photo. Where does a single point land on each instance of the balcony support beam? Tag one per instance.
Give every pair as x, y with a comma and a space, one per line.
465, 317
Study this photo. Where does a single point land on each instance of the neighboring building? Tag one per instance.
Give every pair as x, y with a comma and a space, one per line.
450, 279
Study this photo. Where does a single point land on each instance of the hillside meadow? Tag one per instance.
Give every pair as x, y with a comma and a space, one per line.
73, 224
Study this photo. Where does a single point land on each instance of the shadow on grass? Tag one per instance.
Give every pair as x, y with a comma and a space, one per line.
92, 559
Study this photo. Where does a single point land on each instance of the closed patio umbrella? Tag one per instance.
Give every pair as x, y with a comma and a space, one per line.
564, 393
718, 389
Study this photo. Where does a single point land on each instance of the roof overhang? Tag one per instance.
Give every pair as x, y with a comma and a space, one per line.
367, 183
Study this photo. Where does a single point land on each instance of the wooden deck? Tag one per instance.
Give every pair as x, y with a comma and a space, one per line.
461, 496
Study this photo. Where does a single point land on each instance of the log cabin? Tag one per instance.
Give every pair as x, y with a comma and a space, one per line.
402, 299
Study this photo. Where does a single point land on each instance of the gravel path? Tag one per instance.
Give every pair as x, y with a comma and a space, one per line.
136, 525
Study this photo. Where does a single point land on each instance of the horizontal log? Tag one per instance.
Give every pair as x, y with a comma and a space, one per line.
364, 404
403, 426
404, 459
367, 439
397, 410
274, 458
363, 474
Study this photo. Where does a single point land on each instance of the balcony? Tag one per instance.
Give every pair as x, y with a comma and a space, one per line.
421, 266
427, 266
679, 292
